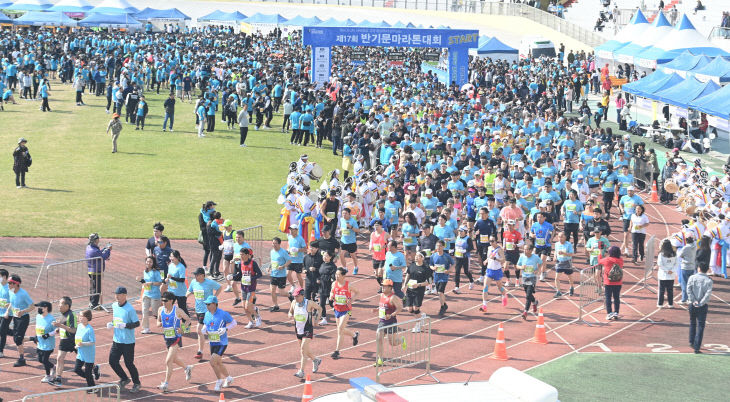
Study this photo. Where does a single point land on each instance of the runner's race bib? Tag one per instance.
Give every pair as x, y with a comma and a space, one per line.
440, 268
214, 337
169, 332
381, 313
199, 294
540, 242
340, 300
246, 280
412, 283
509, 246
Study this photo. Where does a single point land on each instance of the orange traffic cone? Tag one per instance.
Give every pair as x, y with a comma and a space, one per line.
654, 194
500, 348
222, 398
540, 336
307, 395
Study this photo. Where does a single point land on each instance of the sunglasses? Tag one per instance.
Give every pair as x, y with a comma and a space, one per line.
165, 300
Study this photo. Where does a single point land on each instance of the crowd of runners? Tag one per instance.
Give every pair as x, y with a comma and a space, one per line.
487, 180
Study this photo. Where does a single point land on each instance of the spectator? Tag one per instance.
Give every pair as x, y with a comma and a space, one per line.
688, 256
699, 290
668, 263
21, 161
96, 265
612, 266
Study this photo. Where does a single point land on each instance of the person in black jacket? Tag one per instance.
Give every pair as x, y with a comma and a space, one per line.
326, 277
21, 161
169, 106
208, 209
213, 244
312, 262
597, 223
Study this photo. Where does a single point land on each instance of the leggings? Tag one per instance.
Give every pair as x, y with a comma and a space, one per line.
638, 241
607, 202
517, 274
206, 252
462, 263
44, 358
613, 292
324, 293
667, 286
244, 134
85, 370
529, 295
572, 228
215, 260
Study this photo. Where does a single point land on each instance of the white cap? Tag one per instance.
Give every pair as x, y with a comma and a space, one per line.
429, 191
521, 164
543, 204
630, 188
391, 194
518, 191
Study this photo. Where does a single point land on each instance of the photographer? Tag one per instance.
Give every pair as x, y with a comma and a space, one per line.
96, 267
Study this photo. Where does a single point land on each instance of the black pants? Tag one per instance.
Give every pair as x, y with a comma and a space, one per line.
78, 97
286, 124
638, 242
86, 371
296, 136
697, 317
94, 289
125, 350
320, 137
571, 228
666, 285
324, 292
140, 120
20, 178
211, 123
529, 295
244, 134
26, 93
4, 331
44, 358
215, 260
607, 202
462, 264
310, 290
182, 301
100, 88
35, 91
613, 292
44, 105
206, 253
108, 102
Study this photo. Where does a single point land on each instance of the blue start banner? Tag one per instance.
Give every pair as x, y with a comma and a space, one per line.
458, 41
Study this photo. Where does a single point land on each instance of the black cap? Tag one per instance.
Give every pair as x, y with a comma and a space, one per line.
44, 304
200, 271
120, 290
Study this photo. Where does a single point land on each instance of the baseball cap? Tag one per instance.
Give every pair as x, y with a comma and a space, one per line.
43, 304
387, 282
391, 194
293, 226
227, 222
392, 144
211, 299
297, 291
120, 290
429, 191
580, 177
630, 188
462, 228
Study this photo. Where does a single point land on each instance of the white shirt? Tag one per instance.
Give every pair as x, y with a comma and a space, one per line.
642, 221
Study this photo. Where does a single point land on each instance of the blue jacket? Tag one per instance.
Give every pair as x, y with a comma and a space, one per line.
93, 251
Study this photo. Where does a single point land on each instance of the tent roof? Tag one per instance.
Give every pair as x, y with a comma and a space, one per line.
44, 18
654, 82
719, 68
649, 36
114, 7
30, 5
303, 21
170, 13
259, 18
4, 19
687, 61
219, 15
72, 6
716, 103
337, 23
494, 45
98, 19
685, 92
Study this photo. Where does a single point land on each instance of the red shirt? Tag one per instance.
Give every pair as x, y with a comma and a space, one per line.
385, 307
342, 296
511, 239
607, 263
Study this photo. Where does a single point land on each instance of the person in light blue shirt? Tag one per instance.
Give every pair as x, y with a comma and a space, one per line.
564, 252
201, 288
216, 325
4, 304
392, 208
297, 249
20, 304
85, 341
280, 261
124, 322
440, 262
45, 336
444, 231
627, 205
151, 281
530, 264
570, 211
395, 262
624, 180
348, 240
176, 279
608, 187
411, 233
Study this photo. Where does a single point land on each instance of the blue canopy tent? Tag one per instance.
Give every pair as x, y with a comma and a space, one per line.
110, 21
269, 19
115, 7
399, 25
169, 14
41, 18
651, 36
495, 49
636, 26
4, 19
72, 6
300, 21
220, 16
716, 104
337, 23
30, 5
5, 5
685, 62
718, 70
483, 39
649, 79
381, 24
410, 25
685, 92
648, 88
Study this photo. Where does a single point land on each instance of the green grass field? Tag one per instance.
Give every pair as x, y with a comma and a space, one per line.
636, 377
77, 186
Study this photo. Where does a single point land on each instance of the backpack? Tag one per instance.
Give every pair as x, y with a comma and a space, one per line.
616, 273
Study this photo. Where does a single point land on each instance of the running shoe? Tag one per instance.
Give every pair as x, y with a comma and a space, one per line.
188, 372
480, 279
323, 321
504, 300
46, 379
249, 325
198, 355
228, 382
237, 302
163, 387
558, 294
417, 328
19, 363
146, 331
96, 372
335, 355
456, 290
124, 383
572, 291
542, 276
355, 338
135, 388
354, 271
379, 362
257, 324
218, 384
524, 315
315, 365
609, 316
471, 285
299, 374
229, 289
273, 309
534, 306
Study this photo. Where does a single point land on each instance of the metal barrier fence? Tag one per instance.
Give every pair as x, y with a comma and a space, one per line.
254, 236
650, 253
70, 278
590, 289
408, 344
104, 392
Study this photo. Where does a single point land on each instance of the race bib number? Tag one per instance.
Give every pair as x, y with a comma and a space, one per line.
429, 212
440, 268
394, 212
483, 239
625, 184
16, 312
540, 242
427, 252
408, 239
169, 332
294, 252
629, 205
246, 280
4, 303
39, 331
199, 294
381, 313
595, 178
117, 320
595, 252
78, 341
346, 232
412, 283
459, 252
148, 286
300, 317
330, 215
509, 246
570, 208
62, 333
274, 266
172, 284
377, 247
340, 300
214, 337
528, 269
